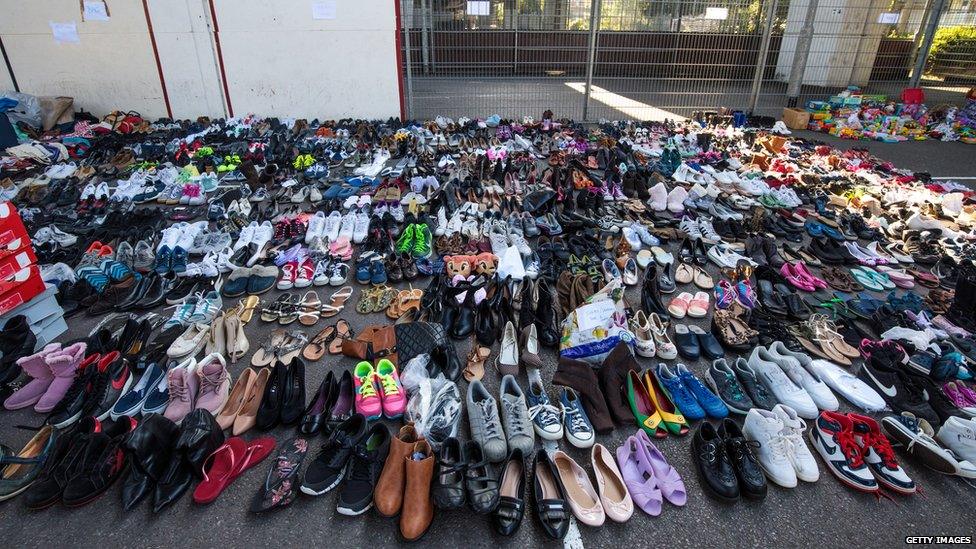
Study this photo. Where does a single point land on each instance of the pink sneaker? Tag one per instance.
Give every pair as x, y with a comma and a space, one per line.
214, 383
36, 367
394, 397
368, 401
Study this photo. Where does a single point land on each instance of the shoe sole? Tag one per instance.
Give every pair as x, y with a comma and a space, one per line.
929, 457
17, 492
68, 421
918, 367
577, 443
833, 470
352, 513
308, 491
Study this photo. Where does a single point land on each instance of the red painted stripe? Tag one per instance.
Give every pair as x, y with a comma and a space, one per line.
399, 58
159, 65
220, 59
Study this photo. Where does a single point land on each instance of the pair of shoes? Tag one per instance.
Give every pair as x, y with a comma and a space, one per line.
689, 394
654, 410
464, 475
486, 425
378, 390
781, 451
52, 371
726, 462
250, 281
648, 475
194, 385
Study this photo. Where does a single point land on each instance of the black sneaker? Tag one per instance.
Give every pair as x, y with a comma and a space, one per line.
757, 391
935, 398
752, 480
69, 408
722, 380
896, 388
184, 287
112, 380
101, 465
363, 471
326, 470
58, 469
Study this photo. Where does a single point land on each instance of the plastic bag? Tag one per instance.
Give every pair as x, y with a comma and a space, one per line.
28, 108
592, 330
434, 404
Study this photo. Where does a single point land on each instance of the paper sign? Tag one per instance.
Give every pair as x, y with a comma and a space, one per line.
324, 10
479, 7
716, 13
95, 10
64, 32
595, 314
889, 18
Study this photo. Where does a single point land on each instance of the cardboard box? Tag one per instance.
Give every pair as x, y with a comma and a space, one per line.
39, 309
49, 330
796, 119
20, 288
12, 230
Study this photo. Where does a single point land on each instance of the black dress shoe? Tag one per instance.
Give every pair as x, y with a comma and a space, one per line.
548, 494
465, 322
651, 295
507, 516
149, 449
317, 412
342, 407
16, 341
269, 413
479, 479
155, 293
293, 396
751, 480
713, 464
687, 342
448, 486
68, 452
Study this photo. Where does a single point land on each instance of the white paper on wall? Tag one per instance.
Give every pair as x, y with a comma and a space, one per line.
889, 18
325, 9
716, 13
94, 10
65, 32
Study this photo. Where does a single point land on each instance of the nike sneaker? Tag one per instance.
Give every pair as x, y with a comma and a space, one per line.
112, 380
880, 456
898, 389
832, 437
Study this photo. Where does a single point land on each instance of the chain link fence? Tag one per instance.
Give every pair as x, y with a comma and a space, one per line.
656, 59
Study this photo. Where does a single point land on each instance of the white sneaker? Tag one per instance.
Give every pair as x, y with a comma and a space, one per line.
397, 212
724, 256
959, 435
676, 199
330, 231
316, 224
361, 227
247, 234
320, 277
802, 458
632, 238
795, 366
520, 244
223, 260
774, 449
171, 235
659, 198
499, 243
262, 234
708, 233
776, 381
441, 222
206, 267
348, 226
455, 224
847, 385
690, 227
780, 128
57, 273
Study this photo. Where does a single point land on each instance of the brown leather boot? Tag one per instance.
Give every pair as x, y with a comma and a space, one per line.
388, 496
418, 507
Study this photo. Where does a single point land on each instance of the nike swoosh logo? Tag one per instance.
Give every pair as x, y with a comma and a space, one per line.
823, 442
890, 391
117, 384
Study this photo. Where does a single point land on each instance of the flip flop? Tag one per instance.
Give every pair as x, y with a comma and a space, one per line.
343, 331
246, 308
273, 310
317, 347
385, 298
367, 300
265, 356
218, 470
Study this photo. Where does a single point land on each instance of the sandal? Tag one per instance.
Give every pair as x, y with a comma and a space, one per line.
477, 357
343, 332
317, 347
308, 314
245, 309
367, 300
272, 312
337, 302
386, 296
265, 356
293, 344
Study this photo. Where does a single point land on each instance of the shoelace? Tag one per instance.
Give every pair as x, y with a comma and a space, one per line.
367, 389
547, 413
179, 392
389, 384
576, 420
850, 448
490, 417
359, 465
212, 382
883, 447
518, 423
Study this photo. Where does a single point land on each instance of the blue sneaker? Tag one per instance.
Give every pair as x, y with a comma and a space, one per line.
680, 395
178, 261
158, 396
708, 401
544, 416
377, 272
363, 271
131, 402
164, 258
579, 430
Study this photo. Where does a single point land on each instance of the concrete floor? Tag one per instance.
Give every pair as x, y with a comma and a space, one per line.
824, 513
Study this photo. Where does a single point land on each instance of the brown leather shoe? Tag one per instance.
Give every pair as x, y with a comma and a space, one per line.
388, 496
417, 503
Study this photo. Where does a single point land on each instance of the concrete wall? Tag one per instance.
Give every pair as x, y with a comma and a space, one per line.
277, 59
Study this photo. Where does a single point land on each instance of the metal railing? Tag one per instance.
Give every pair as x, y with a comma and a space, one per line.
655, 59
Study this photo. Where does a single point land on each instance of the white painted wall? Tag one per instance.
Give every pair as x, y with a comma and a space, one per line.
278, 59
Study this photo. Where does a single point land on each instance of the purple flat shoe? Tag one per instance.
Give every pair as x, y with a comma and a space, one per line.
639, 477
667, 477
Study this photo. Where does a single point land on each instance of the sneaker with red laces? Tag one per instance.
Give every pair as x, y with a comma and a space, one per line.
305, 273
832, 437
879, 455
289, 272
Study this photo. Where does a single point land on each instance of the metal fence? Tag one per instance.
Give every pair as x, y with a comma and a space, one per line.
655, 59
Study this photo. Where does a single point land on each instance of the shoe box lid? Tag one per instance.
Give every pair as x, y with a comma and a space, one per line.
38, 310
11, 226
49, 329
20, 288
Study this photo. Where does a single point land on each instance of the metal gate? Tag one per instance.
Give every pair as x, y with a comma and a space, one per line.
656, 59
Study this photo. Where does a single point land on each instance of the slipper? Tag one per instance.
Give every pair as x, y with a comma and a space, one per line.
386, 296
866, 279
367, 300
683, 274
702, 279
273, 310
343, 332
246, 308
661, 256
317, 347
218, 470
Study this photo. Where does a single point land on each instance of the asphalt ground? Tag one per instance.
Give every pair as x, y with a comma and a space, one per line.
822, 514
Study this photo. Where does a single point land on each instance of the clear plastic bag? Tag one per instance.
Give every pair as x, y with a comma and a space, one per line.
434, 404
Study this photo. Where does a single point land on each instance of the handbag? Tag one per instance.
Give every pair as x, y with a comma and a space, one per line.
373, 342
417, 338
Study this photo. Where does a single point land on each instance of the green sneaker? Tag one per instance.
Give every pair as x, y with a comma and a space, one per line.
422, 240
406, 241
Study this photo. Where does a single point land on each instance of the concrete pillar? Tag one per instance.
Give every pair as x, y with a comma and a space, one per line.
845, 42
